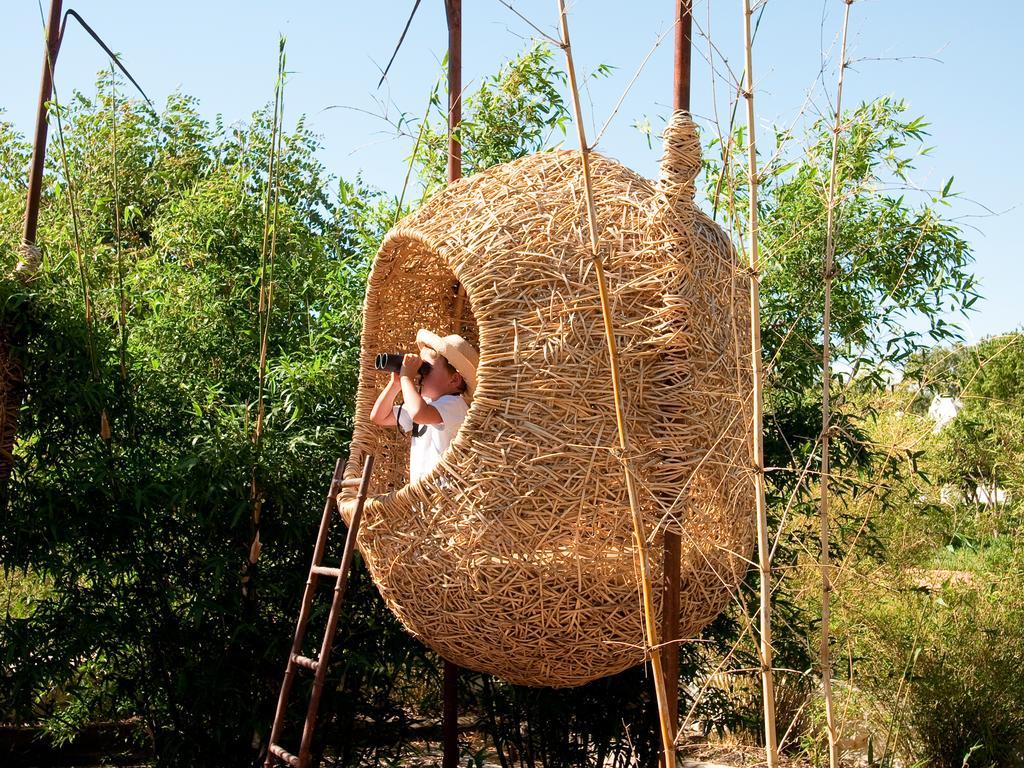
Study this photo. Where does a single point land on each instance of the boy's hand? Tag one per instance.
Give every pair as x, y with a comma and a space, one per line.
411, 365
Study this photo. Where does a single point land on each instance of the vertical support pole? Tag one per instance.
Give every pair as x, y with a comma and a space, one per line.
35, 176
764, 565
684, 32
670, 628
450, 716
30, 257
453, 11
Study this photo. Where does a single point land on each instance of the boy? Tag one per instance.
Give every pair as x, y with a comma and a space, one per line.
435, 411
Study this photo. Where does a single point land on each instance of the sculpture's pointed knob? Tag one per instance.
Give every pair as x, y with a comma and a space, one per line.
680, 160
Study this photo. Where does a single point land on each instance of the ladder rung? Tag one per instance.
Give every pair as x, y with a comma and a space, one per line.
353, 482
284, 754
322, 570
304, 661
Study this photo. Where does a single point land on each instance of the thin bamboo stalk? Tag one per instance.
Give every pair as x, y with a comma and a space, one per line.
122, 315
76, 230
266, 301
757, 443
826, 415
639, 532
412, 159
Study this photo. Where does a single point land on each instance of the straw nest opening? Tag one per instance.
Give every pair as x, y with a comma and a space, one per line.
413, 287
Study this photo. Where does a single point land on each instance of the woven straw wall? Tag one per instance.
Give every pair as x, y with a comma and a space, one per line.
515, 556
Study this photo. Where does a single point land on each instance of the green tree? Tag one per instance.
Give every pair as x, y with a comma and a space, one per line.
983, 447
140, 538
899, 264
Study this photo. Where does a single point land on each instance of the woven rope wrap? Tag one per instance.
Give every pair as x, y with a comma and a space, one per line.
514, 556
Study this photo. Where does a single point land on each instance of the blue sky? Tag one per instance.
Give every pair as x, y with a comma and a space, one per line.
950, 61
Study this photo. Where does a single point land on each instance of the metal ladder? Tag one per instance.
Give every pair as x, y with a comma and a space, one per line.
296, 661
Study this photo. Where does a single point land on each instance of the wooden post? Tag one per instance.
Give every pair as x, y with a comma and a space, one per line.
757, 442
673, 541
453, 12
35, 176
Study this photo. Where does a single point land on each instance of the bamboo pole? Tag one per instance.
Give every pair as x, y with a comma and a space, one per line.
412, 159
122, 314
826, 416
264, 308
757, 443
639, 532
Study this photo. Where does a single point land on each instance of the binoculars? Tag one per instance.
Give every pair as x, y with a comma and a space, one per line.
390, 361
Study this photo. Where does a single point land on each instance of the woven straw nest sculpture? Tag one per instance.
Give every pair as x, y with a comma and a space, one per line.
515, 555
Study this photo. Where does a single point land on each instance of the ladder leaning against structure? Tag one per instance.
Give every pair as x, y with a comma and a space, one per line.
318, 665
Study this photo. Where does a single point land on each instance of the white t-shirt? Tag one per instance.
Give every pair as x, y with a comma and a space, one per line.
426, 449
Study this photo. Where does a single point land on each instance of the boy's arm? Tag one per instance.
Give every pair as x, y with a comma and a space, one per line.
419, 410
382, 413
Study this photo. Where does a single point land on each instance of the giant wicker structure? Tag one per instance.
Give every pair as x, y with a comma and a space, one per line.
515, 555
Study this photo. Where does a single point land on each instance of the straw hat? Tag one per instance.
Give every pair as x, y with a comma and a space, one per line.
456, 350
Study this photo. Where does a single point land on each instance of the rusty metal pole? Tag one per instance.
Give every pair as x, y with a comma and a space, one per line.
35, 176
450, 716
684, 30
670, 628
30, 257
453, 11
